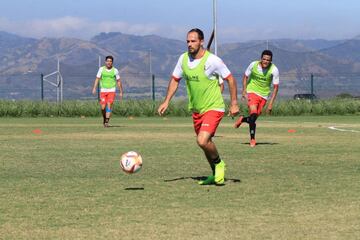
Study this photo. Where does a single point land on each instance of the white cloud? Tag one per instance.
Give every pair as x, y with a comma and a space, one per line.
83, 28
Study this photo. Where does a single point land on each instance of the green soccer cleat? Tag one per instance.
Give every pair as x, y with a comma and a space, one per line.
208, 181
220, 173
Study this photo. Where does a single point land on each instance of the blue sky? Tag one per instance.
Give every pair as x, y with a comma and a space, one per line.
238, 20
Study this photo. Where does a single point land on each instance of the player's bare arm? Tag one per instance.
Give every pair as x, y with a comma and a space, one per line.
95, 85
234, 108
173, 85
244, 83
272, 99
119, 84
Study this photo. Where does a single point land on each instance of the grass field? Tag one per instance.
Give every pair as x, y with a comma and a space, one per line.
63, 180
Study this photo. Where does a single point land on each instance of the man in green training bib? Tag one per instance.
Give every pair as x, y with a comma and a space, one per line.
201, 70
109, 77
257, 82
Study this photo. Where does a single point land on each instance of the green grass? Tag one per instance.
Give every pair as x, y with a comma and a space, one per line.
66, 183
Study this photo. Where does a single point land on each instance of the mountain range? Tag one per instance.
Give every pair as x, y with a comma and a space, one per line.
335, 64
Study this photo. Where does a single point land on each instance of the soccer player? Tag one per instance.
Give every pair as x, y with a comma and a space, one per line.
200, 70
257, 82
109, 77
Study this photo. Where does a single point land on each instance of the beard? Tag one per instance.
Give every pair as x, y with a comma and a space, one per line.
193, 51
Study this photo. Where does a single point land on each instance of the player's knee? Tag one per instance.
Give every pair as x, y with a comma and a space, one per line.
202, 142
108, 109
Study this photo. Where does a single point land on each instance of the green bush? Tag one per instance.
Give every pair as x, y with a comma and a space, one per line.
148, 108
344, 95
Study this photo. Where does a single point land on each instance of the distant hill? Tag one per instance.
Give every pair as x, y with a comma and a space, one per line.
347, 51
335, 64
10, 41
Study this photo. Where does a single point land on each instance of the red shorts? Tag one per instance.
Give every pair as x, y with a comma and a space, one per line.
107, 97
254, 99
208, 121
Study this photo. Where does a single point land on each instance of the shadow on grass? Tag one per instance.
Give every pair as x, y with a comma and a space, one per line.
261, 143
115, 126
218, 136
200, 179
134, 188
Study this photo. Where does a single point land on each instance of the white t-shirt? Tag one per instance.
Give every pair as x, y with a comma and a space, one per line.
213, 66
275, 72
98, 75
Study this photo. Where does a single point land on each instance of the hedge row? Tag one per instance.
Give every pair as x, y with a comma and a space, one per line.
177, 108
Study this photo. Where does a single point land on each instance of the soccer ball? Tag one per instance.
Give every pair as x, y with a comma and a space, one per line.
131, 162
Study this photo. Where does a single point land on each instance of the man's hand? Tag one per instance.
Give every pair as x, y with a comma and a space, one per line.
120, 96
269, 109
243, 95
234, 109
162, 108
94, 91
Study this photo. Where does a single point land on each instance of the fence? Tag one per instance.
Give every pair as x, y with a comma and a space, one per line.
140, 86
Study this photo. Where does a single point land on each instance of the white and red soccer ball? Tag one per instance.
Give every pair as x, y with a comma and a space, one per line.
131, 162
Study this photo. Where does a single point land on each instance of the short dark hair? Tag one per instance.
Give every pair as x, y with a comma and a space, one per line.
199, 32
109, 57
267, 53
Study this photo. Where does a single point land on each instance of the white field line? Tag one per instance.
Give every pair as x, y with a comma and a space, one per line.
343, 130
